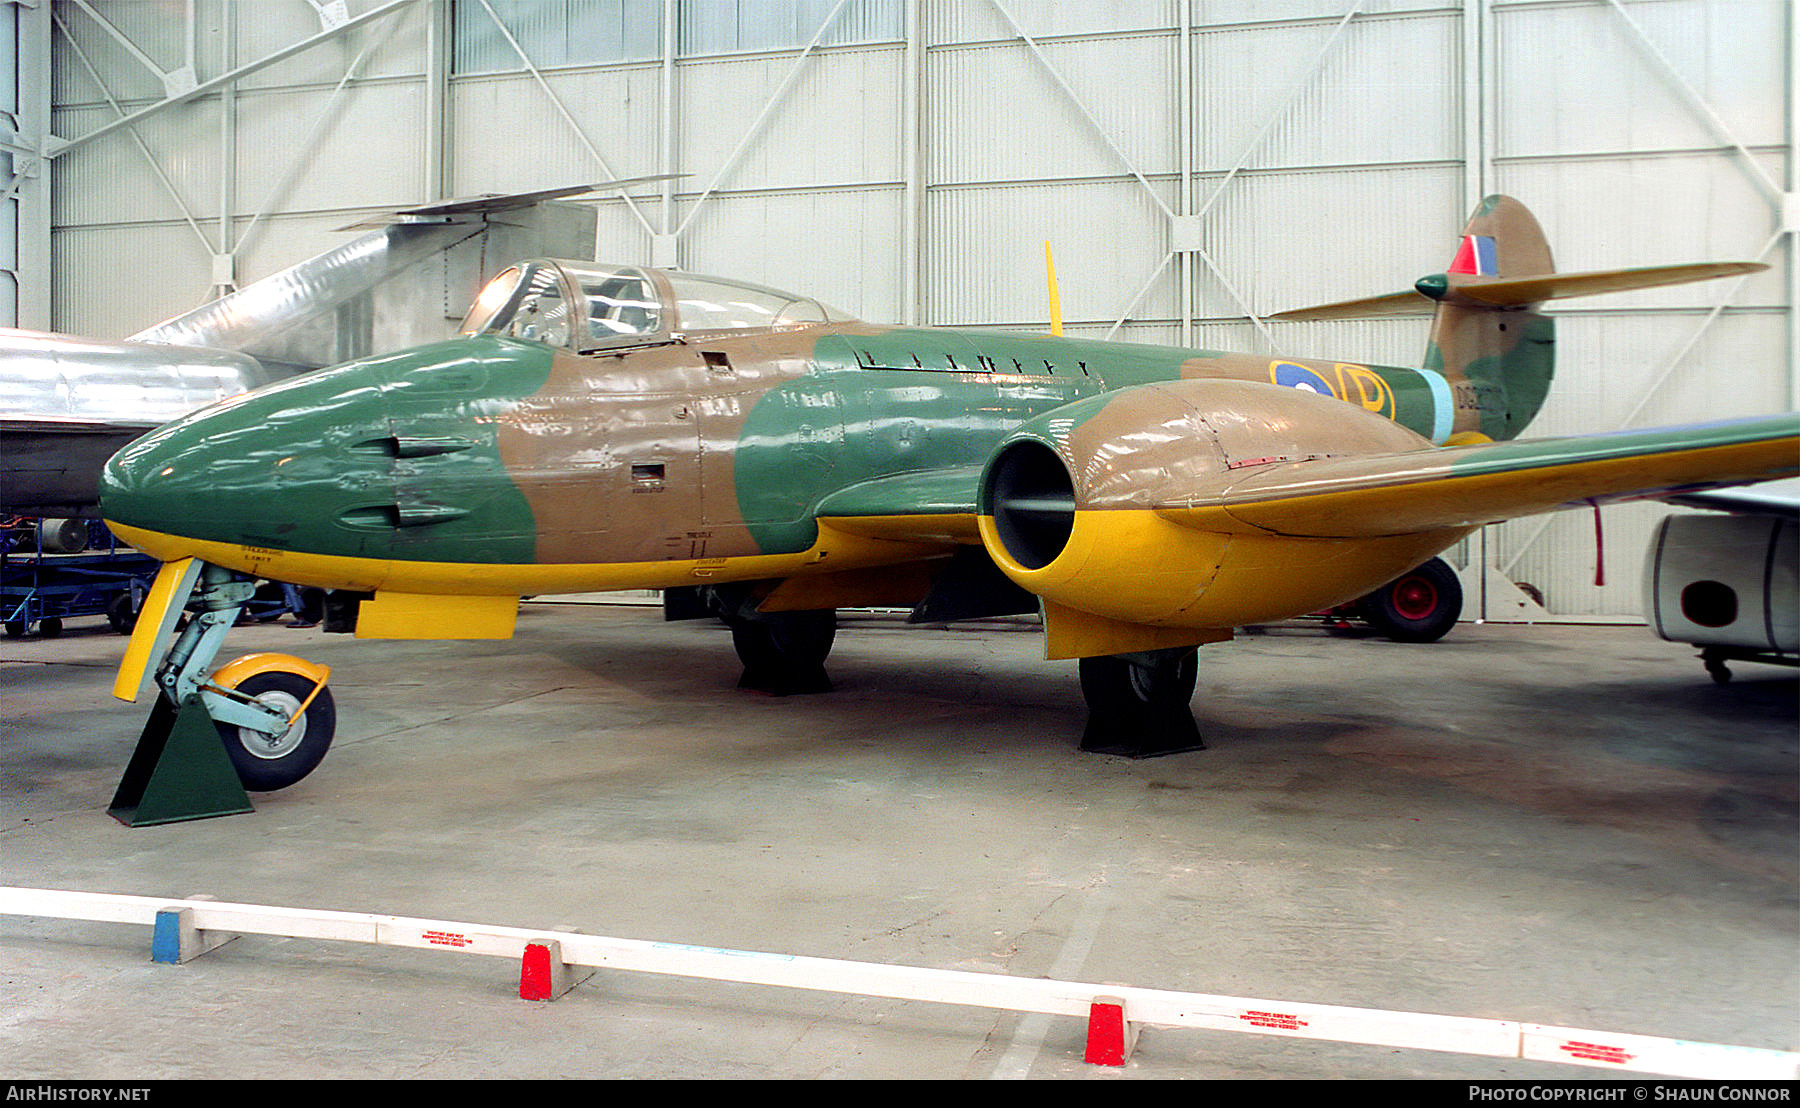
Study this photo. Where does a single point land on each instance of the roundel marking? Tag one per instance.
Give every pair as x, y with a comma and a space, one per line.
1293, 376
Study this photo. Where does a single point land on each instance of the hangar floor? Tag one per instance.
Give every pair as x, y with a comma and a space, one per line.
1564, 825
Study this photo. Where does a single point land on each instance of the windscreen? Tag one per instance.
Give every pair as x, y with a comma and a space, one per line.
594, 307
525, 302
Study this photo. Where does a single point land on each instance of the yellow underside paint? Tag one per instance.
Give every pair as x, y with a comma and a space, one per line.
1467, 438
399, 615
1133, 566
1123, 565
155, 621
1072, 633
878, 587
232, 673
856, 544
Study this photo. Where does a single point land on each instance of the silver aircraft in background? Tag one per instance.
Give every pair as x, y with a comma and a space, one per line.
67, 403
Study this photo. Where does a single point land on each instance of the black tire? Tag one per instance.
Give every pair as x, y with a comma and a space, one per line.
685, 602
264, 765
1421, 605
15, 628
50, 626
1125, 687
120, 614
785, 653
1138, 706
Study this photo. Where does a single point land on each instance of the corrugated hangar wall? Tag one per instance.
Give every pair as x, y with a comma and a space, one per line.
1195, 166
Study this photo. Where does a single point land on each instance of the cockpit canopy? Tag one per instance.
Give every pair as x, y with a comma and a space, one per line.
587, 306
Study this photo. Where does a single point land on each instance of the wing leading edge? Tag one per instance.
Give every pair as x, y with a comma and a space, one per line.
926, 506
1426, 490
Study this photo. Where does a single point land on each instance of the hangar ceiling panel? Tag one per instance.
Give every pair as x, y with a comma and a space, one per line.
163, 42
988, 252
1302, 95
171, 185
810, 134
395, 48
997, 112
88, 263
1296, 238
1555, 99
830, 237
515, 137
337, 169
946, 23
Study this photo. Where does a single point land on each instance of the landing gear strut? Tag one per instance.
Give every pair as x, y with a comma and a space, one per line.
262, 722
1138, 703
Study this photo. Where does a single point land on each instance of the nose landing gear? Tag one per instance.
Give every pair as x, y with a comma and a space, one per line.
262, 722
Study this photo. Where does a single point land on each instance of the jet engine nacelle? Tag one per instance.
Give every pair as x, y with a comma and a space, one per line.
1069, 505
1725, 580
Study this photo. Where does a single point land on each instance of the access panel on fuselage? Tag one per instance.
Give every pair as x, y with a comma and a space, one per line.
607, 453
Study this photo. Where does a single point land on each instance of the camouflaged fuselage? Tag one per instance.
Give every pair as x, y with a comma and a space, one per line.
488, 450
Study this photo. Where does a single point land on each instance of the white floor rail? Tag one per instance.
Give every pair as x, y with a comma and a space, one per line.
183, 929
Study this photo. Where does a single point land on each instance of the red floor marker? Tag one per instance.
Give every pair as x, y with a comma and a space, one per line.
536, 981
1110, 1038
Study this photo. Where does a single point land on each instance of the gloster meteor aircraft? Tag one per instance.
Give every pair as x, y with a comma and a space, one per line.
608, 427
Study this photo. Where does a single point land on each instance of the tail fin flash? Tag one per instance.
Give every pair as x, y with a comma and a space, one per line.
1055, 293
1502, 240
1486, 335
1507, 355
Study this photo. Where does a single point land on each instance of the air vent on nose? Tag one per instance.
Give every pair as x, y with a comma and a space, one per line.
413, 446
388, 517
1033, 503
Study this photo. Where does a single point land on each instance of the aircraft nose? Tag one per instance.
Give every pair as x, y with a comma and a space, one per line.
392, 458
249, 470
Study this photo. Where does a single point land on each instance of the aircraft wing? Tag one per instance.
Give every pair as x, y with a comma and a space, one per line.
1772, 498
50, 466
68, 404
461, 208
1423, 490
925, 506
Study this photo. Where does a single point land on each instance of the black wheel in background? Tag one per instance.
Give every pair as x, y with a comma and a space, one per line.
1421, 605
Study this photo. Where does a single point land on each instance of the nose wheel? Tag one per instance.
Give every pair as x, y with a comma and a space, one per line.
261, 722
268, 760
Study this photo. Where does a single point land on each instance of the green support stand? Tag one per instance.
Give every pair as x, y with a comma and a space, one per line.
179, 771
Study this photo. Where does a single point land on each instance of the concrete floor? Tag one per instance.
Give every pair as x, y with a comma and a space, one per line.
1564, 825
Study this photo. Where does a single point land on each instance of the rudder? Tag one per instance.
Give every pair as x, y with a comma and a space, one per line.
1505, 354
1489, 345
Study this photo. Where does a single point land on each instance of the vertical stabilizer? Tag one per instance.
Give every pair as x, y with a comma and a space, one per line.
1489, 346
1505, 354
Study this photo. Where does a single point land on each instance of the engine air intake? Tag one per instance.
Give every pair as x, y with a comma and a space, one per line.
1033, 502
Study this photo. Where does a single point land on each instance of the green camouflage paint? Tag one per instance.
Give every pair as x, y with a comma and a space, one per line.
374, 459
